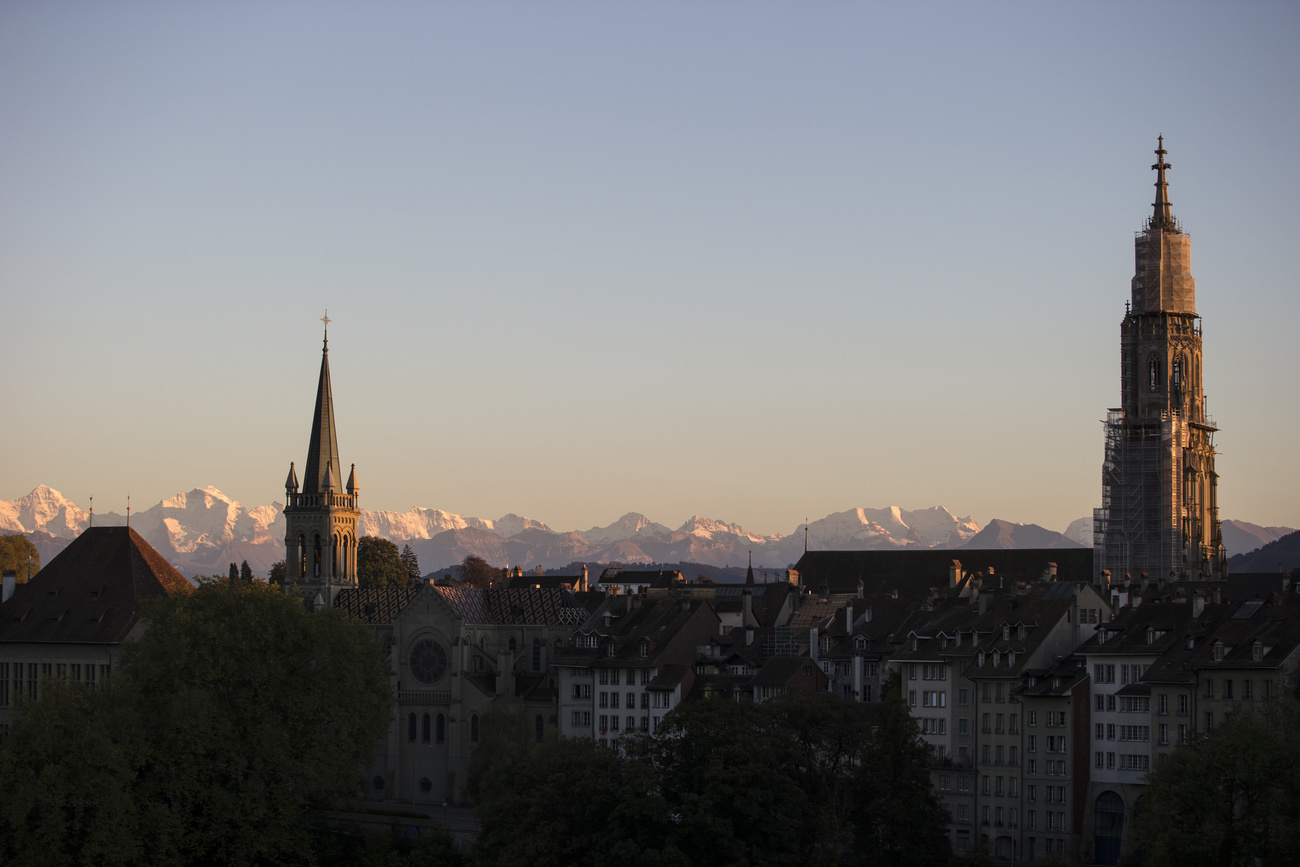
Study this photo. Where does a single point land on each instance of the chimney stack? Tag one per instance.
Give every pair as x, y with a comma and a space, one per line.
10, 581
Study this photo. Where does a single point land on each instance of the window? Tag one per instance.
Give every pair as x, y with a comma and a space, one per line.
1182, 733
997, 787
1101, 702
963, 697
514, 645
1101, 732
1000, 693
645, 701
1110, 760
1015, 723
1209, 688
1182, 705
613, 723
1031, 767
1001, 755
1031, 718
1033, 743
1209, 720
604, 699
1000, 728
1247, 689
1110, 703
1110, 731
1164, 705
1014, 757
1227, 690
613, 677
1268, 688
631, 701
911, 698
984, 753
963, 726
1099, 761
613, 699
1164, 734
1218, 652
410, 728
426, 729
985, 724
986, 786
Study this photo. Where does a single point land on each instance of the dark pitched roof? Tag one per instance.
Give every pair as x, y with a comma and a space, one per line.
658, 578
514, 606
915, 571
780, 670
544, 582
323, 447
92, 591
375, 606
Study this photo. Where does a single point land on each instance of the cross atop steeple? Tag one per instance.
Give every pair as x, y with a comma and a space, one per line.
326, 319
1162, 218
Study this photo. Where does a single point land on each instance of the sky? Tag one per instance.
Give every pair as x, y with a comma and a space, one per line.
755, 261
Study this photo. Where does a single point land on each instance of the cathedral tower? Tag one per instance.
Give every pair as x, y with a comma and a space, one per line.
320, 537
1159, 512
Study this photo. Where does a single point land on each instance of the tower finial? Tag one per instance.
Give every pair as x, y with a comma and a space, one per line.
326, 319
1162, 217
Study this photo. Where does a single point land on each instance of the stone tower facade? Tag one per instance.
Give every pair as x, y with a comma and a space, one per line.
320, 537
1159, 514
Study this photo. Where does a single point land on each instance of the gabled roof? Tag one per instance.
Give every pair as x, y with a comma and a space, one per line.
91, 592
530, 605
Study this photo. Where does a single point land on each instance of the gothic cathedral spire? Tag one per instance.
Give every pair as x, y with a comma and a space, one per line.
320, 521
1159, 515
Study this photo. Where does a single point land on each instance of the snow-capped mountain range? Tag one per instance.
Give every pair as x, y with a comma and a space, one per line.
202, 531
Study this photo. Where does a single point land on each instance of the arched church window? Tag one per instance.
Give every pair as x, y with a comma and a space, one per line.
302, 556
334, 555
513, 645
315, 561
440, 729
426, 727
1154, 367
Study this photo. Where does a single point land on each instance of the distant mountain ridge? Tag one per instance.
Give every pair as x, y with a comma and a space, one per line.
203, 530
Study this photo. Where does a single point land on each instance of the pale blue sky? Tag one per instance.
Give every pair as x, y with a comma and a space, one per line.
759, 261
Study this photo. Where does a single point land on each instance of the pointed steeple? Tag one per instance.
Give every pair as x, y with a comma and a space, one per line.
323, 448
749, 576
328, 484
352, 481
291, 482
1162, 217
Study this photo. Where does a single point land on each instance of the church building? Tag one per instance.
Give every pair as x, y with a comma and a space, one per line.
1159, 513
321, 519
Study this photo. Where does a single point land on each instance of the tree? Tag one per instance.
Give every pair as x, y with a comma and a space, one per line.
14, 553
278, 574
245, 573
234, 574
411, 564
900, 820
724, 770
234, 718
474, 571
379, 565
1229, 798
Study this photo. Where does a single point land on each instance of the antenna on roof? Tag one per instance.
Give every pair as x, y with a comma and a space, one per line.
128, 511
92, 511
805, 535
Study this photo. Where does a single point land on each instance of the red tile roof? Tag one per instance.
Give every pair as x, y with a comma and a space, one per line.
91, 592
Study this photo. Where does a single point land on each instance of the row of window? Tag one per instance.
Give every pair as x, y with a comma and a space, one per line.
19, 681
433, 728
610, 724
1127, 761
1247, 689
610, 676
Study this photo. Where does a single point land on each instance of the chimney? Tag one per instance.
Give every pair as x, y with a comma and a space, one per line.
848, 619
954, 574
861, 593
583, 585
812, 643
1051, 571
10, 580
749, 635
1198, 604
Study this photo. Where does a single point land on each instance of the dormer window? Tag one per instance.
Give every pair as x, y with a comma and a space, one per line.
1218, 652
1151, 635
914, 643
1056, 683
1256, 651
645, 650
1011, 659
609, 649
997, 658
1006, 633
1020, 632
981, 658
1101, 636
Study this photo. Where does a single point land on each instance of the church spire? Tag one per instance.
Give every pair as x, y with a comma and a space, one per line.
1162, 218
323, 448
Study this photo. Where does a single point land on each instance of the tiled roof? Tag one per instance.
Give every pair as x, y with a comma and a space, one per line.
91, 592
375, 606
551, 607
780, 670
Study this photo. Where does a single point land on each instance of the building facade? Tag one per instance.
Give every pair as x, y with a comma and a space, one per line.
1159, 514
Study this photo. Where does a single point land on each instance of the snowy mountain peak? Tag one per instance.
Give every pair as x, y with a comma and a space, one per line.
630, 526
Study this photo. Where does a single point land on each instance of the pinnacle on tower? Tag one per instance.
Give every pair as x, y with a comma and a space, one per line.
1162, 218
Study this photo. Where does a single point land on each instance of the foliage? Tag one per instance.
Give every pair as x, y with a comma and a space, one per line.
232, 719
1231, 797
66, 771
434, 848
721, 782
476, 572
245, 572
14, 553
571, 801
411, 564
279, 574
502, 729
379, 565
234, 574
900, 820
